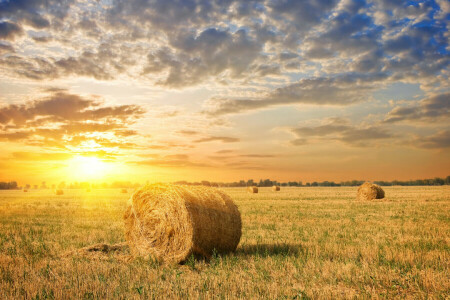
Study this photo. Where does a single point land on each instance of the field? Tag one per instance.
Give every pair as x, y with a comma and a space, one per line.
298, 243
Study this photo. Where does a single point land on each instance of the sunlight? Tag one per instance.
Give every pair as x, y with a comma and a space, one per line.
87, 168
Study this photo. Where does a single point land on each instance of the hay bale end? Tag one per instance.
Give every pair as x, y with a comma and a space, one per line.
172, 222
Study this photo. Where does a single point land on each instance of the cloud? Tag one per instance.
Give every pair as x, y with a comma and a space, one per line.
9, 31
62, 119
193, 58
257, 155
35, 156
188, 132
337, 129
171, 161
344, 89
223, 139
431, 110
439, 140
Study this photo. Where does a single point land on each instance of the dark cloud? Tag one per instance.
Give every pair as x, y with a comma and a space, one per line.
340, 90
340, 130
9, 31
224, 151
439, 140
6, 48
257, 155
188, 132
62, 119
223, 139
64, 107
432, 109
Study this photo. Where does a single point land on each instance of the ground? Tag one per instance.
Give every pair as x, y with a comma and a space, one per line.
298, 243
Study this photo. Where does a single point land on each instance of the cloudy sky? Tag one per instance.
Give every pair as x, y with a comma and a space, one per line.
224, 90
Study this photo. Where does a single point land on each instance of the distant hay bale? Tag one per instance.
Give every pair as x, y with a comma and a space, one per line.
124, 191
59, 192
252, 189
172, 222
276, 188
369, 191
25, 191
88, 190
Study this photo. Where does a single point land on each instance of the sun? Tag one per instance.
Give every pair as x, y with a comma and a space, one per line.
87, 168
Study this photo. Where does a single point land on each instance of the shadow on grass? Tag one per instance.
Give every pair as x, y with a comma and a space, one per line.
269, 250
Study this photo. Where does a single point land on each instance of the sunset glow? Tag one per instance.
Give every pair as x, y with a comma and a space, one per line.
224, 90
87, 168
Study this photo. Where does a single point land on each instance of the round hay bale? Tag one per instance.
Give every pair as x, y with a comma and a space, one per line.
275, 188
369, 191
172, 222
124, 191
25, 191
252, 189
59, 192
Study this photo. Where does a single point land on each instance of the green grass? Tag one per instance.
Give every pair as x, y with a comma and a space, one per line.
298, 243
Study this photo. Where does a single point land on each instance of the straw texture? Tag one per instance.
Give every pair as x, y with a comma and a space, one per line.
369, 191
172, 222
252, 189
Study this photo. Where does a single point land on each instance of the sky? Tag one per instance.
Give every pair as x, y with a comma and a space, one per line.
223, 90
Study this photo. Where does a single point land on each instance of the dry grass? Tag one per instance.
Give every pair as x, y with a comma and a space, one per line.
172, 222
296, 243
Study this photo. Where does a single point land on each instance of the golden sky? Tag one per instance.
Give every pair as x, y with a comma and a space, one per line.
169, 90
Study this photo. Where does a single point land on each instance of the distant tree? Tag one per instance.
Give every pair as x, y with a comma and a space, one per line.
12, 185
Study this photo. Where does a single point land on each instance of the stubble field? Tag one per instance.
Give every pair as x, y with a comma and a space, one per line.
298, 243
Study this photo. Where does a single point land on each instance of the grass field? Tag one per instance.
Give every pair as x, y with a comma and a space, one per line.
298, 243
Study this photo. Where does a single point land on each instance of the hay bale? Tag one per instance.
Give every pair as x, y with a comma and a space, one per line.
369, 191
88, 190
59, 192
252, 189
275, 188
25, 191
124, 191
172, 222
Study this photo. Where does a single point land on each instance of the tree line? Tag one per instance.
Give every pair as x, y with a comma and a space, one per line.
12, 185
268, 183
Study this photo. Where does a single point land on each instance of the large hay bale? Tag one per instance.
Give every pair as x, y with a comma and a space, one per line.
369, 191
252, 189
59, 192
275, 188
172, 222
124, 191
25, 191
